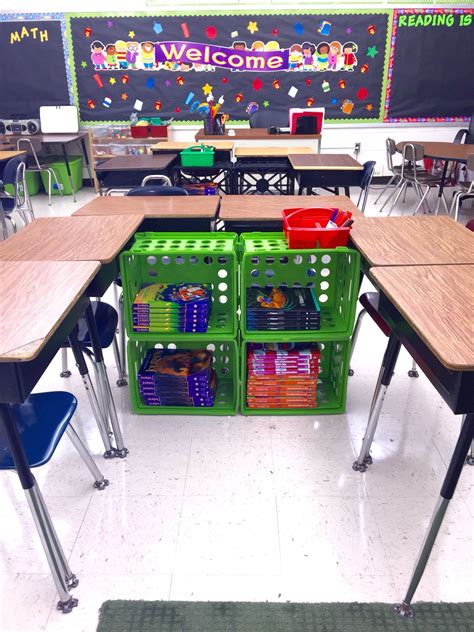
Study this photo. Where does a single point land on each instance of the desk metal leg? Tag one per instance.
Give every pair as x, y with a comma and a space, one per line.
121, 451
86, 158
447, 492
68, 168
385, 377
53, 551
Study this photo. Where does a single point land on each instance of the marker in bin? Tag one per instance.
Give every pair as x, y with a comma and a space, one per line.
338, 219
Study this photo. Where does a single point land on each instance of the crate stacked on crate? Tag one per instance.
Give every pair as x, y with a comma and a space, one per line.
297, 314
180, 302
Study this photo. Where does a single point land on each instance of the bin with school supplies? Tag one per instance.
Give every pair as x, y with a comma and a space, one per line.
58, 165
190, 283
307, 227
301, 294
172, 376
197, 156
315, 386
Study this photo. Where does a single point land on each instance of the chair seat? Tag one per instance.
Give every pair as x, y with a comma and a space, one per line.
41, 420
106, 319
370, 302
464, 186
424, 177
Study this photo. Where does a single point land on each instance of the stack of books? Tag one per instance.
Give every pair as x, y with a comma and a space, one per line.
282, 375
280, 309
177, 377
163, 307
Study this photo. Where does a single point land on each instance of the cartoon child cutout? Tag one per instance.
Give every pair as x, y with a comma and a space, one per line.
97, 56
111, 56
308, 52
238, 46
295, 59
258, 47
132, 54
121, 49
350, 60
335, 50
322, 56
148, 55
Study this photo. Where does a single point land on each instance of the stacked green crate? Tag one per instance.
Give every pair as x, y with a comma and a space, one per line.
176, 258
333, 275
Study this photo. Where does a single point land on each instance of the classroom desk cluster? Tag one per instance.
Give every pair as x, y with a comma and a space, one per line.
425, 286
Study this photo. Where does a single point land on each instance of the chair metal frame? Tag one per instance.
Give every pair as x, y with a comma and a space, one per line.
22, 201
463, 193
40, 168
390, 151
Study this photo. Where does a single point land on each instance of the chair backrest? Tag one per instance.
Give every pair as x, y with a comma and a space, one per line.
391, 149
469, 138
156, 190
266, 118
367, 174
412, 153
10, 172
163, 180
31, 147
470, 162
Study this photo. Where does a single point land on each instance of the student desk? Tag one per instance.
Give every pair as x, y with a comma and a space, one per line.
163, 212
429, 310
58, 139
326, 171
6, 155
246, 135
263, 213
412, 241
128, 171
40, 304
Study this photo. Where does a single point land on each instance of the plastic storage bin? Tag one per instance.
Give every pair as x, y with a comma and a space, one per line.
59, 167
140, 131
266, 261
331, 387
225, 363
197, 156
184, 258
33, 183
301, 232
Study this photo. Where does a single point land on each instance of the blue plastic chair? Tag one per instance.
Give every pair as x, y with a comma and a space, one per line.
42, 419
14, 175
365, 180
156, 190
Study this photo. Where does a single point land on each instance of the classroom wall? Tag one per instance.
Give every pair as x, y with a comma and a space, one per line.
340, 138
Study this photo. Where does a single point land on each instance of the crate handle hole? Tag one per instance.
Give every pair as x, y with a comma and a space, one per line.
311, 272
254, 273
298, 259
269, 273
222, 274
325, 272
151, 260
326, 258
324, 285
222, 287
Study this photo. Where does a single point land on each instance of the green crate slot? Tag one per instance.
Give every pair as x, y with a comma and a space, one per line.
224, 361
333, 273
184, 258
331, 388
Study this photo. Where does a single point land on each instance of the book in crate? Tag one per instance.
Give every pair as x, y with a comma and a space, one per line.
280, 309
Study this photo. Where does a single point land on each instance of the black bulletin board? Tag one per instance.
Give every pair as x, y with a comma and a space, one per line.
433, 62
32, 67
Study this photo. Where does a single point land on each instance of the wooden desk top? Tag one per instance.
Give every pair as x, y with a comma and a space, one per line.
136, 163
438, 302
194, 206
35, 298
403, 241
6, 155
261, 208
255, 133
46, 138
221, 145
280, 152
70, 239
442, 151
316, 162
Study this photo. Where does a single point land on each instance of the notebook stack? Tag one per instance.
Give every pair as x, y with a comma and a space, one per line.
177, 377
282, 375
163, 307
280, 309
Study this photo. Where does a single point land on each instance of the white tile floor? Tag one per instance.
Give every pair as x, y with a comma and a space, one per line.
257, 508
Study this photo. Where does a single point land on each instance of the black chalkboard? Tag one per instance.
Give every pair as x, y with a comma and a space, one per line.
348, 94
432, 65
32, 67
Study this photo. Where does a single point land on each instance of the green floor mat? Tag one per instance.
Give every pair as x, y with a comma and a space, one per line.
195, 616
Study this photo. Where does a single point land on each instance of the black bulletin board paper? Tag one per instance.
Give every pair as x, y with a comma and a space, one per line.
32, 68
432, 66
109, 94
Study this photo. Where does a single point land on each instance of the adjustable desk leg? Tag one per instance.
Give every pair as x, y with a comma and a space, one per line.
447, 492
122, 451
53, 551
68, 168
86, 158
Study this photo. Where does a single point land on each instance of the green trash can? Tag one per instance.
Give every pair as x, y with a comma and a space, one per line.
32, 183
58, 165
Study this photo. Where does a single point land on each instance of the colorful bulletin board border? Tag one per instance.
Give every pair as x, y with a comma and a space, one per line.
392, 48
60, 17
95, 102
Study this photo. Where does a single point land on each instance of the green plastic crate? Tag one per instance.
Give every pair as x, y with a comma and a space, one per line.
184, 258
225, 362
58, 165
331, 388
197, 156
333, 273
33, 182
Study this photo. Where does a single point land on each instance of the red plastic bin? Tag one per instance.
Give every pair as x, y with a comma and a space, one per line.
140, 131
159, 131
301, 232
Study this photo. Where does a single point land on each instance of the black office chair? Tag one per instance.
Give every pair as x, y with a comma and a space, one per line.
266, 118
466, 135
